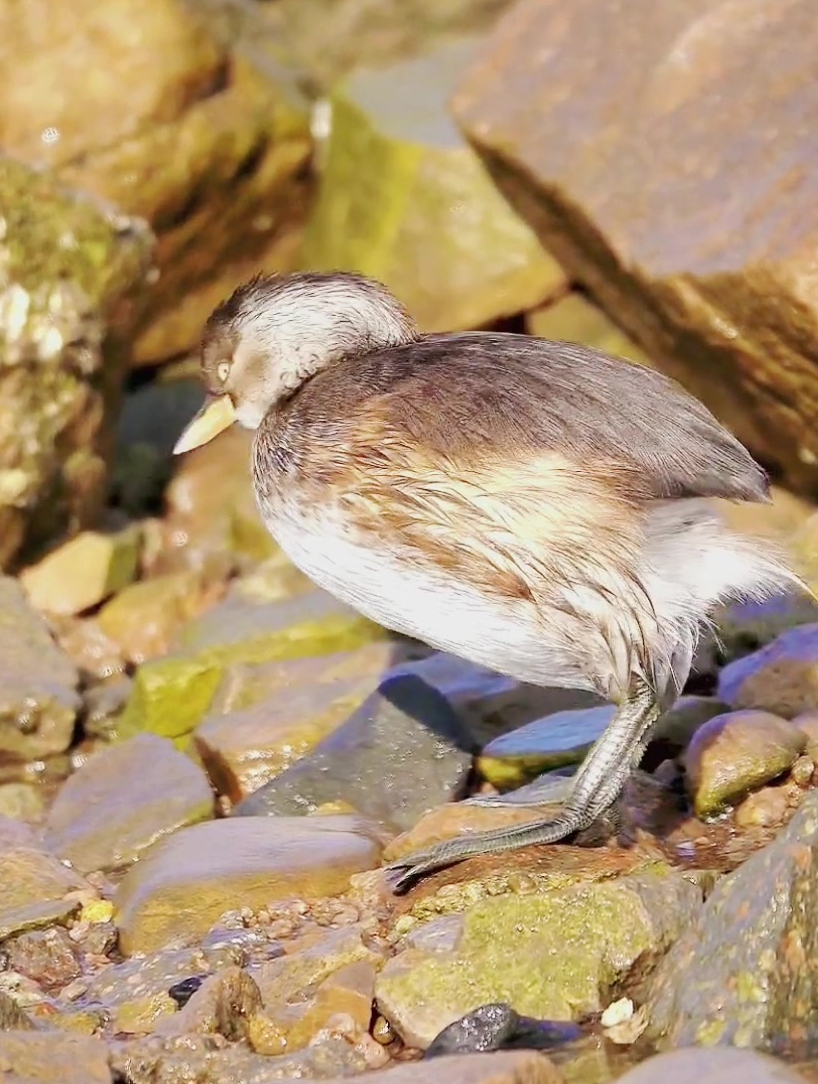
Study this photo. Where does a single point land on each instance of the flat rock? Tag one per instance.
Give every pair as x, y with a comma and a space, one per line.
38, 683
644, 170
425, 218
401, 753
719, 1065
746, 971
586, 939
174, 694
181, 887
266, 718
782, 677
82, 572
56, 412
52, 1057
38, 890
737, 752
122, 800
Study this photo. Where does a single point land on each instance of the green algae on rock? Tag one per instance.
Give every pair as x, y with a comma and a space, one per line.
585, 941
422, 214
68, 272
172, 695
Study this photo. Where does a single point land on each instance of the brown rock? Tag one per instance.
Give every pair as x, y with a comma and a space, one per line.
188, 880
47, 956
782, 677
52, 1057
144, 618
648, 171
498, 1067
807, 722
191, 132
223, 1005
734, 753
37, 890
123, 800
94, 654
721, 1065
64, 314
764, 809
83, 572
38, 697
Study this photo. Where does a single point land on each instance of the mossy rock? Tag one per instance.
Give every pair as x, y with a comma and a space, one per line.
405, 200
171, 696
68, 271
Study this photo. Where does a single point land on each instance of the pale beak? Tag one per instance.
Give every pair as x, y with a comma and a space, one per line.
217, 413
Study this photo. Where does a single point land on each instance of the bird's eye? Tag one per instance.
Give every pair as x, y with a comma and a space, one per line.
223, 370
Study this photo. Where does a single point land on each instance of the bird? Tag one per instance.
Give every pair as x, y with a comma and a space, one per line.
537, 507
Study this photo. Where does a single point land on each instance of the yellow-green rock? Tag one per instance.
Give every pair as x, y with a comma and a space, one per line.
574, 318
405, 200
555, 956
64, 310
83, 572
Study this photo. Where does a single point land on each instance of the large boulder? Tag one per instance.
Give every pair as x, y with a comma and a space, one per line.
681, 192
68, 269
176, 116
404, 199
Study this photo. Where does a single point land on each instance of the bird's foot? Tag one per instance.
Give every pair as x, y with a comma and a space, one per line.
402, 874
544, 790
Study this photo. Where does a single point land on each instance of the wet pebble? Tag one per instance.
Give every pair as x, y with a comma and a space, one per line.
734, 753
499, 1027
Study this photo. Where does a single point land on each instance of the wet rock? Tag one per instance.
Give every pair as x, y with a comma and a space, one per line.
12, 1017
38, 683
14, 834
172, 695
123, 800
505, 1067
499, 1027
425, 219
640, 219
82, 572
144, 619
103, 704
743, 627
722, 1065
52, 1057
200, 96
781, 678
734, 753
545, 744
47, 956
574, 318
37, 890
223, 1005
764, 809
268, 717
181, 887
332, 975
63, 316
205, 1059
807, 723
138, 994
93, 653
587, 939
744, 973
400, 754
675, 729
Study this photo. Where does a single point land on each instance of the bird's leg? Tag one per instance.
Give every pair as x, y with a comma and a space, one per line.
594, 789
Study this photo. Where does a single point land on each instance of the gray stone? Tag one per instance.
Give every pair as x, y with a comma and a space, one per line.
403, 752
38, 682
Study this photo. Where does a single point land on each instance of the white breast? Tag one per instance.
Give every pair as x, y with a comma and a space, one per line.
407, 595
